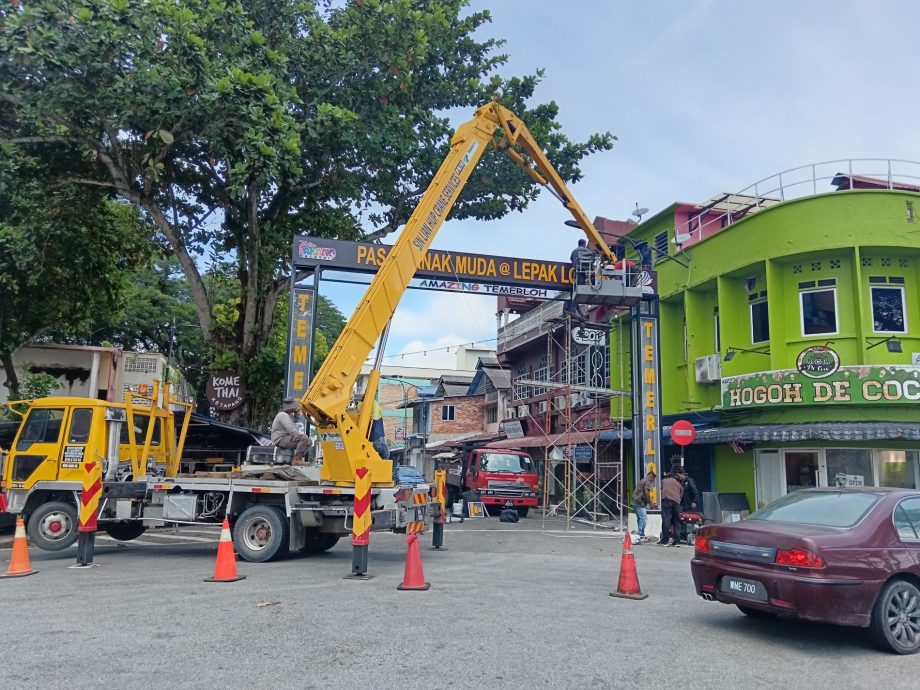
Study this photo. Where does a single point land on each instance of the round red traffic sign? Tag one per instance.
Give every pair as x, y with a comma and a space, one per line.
683, 432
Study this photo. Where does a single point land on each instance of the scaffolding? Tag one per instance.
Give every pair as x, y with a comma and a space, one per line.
591, 488
583, 489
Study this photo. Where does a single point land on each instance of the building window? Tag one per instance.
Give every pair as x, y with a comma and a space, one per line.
819, 312
686, 342
897, 468
715, 324
447, 413
661, 246
491, 414
888, 310
760, 324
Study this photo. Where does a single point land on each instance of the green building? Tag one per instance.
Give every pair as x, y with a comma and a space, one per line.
789, 329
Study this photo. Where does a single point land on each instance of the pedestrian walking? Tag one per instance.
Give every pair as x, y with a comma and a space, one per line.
671, 494
642, 501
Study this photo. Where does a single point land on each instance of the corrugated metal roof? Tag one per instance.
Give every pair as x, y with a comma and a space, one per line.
568, 439
821, 431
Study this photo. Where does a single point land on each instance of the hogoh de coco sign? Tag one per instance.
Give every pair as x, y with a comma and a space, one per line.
883, 385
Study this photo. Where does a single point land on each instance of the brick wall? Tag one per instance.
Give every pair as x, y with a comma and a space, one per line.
468, 415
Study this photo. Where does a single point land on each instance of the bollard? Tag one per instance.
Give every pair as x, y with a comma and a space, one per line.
89, 512
361, 526
437, 532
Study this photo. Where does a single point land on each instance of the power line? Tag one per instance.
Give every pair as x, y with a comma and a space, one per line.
447, 348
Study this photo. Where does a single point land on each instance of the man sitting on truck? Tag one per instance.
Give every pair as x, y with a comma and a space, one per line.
286, 433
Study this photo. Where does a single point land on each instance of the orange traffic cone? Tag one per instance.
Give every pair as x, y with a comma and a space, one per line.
413, 578
628, 584
225, 569
19, 560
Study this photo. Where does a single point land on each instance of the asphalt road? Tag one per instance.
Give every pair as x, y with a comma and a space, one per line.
521, 605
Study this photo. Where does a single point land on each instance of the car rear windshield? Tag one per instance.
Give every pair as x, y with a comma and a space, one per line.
824, 508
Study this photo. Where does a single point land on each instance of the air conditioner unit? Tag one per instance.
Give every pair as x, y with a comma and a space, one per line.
523, 410
559, 402
510, 413
708, 369
541, 406
574, 399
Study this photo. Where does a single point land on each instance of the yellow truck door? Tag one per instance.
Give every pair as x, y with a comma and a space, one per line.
36, 454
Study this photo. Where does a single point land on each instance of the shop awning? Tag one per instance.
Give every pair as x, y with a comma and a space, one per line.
821, 431
572, 438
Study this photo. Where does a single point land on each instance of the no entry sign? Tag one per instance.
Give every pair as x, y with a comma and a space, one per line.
683, 432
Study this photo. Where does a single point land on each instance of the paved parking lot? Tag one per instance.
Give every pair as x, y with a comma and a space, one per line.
511, 605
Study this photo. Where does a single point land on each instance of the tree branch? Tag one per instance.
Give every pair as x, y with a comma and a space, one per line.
53, 139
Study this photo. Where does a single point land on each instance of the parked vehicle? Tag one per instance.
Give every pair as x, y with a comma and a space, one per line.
499, 478
149, 480
406, 474
843, 556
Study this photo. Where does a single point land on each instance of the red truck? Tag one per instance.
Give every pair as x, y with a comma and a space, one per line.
501, 478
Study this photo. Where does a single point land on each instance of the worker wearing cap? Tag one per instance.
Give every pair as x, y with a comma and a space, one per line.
286, 433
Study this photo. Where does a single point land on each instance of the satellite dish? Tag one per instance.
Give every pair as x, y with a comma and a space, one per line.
682, 237
639, 212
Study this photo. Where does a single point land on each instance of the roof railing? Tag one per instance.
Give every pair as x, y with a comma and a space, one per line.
796, 183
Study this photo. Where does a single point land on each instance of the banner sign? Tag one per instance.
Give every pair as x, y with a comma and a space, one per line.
341, 255
884, 385
300, 341
646, 396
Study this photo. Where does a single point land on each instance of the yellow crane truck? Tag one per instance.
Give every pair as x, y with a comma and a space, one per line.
274, 507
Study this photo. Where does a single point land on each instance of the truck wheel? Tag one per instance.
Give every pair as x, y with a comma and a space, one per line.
522, 512
261, 534
125, 531
53, 526
318, 542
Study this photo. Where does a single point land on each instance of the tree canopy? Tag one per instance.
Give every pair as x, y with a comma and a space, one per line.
66, 254
235, 125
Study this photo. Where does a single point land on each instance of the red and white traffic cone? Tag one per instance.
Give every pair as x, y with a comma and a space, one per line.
225, 568
414, 578
19, 559
628, 584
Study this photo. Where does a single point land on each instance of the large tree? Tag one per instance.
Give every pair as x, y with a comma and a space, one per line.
235, 125
66, 253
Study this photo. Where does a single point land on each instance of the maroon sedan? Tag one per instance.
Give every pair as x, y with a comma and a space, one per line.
844, 556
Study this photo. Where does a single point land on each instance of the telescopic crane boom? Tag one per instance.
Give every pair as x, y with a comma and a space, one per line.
343, 433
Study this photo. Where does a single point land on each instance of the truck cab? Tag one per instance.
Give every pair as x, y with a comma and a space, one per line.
500, 478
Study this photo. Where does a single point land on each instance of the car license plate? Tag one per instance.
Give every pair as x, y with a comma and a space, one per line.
740, 587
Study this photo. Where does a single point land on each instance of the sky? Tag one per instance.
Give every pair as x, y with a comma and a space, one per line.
704, 97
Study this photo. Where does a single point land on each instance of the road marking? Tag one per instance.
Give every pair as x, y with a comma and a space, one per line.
552, 532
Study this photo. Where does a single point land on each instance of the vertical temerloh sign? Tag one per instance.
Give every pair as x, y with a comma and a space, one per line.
300, 342
646, 390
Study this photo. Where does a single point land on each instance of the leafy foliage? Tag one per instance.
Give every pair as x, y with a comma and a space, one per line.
65, 253
235, 125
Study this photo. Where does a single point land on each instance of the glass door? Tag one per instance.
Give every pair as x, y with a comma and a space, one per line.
768, 472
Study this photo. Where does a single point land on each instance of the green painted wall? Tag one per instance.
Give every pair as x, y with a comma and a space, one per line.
735, 472
846, 237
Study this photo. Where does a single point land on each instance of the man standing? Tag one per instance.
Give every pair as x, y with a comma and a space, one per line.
580, 257
671, 494
286, 434
689, 501
642, 499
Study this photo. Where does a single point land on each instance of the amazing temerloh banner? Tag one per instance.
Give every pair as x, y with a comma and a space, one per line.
450, 270
862, 385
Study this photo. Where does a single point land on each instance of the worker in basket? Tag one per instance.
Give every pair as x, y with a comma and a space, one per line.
286, 433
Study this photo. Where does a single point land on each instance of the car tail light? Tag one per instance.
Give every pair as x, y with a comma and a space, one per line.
702, 545
798, 558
